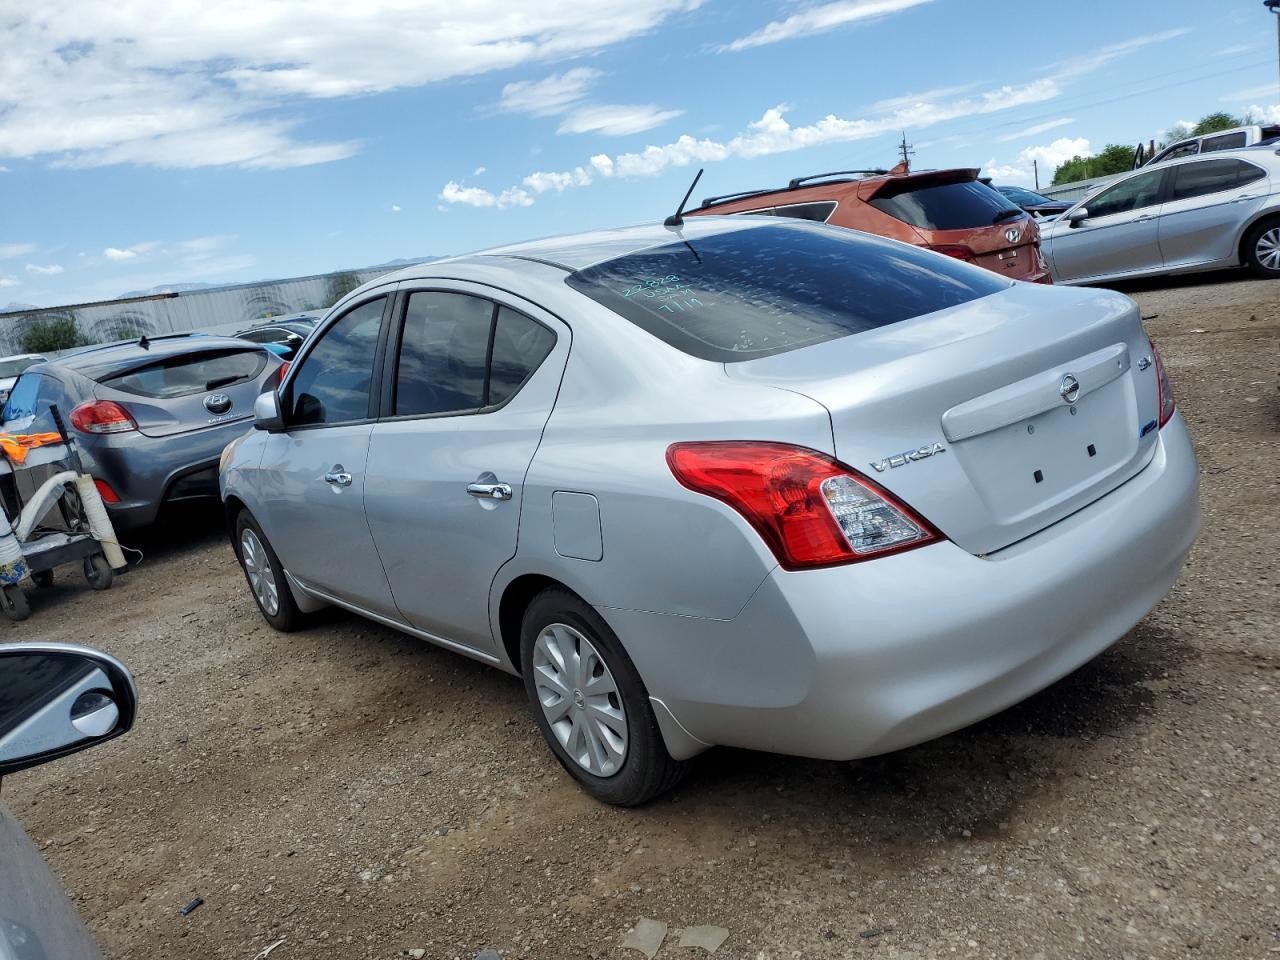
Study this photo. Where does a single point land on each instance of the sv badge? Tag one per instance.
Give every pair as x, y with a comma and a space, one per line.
902, 459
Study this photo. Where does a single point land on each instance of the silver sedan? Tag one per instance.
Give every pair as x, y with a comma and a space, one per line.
764, 484
1207, 212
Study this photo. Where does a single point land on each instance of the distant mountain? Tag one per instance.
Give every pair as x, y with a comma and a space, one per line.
166, 288
189, 287
16, 307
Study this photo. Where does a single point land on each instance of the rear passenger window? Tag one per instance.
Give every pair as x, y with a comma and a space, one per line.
1228, 141
1211, 176
519, 347
460, 354
184, 375
817, 212
332, 385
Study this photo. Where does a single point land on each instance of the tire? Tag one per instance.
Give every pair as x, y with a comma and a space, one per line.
1262, 249
624, 759
98, 572
265, 576
14, 603
43, 579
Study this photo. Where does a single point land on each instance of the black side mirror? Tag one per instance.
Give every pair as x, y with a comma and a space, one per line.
57, 699
1077, 216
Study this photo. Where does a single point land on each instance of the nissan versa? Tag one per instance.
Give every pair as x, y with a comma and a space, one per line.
747, 481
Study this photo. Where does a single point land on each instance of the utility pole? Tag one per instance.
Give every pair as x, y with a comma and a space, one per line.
1274, 7
1035, 166
908, 153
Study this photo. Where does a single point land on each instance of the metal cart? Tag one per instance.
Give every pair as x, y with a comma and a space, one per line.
62, 535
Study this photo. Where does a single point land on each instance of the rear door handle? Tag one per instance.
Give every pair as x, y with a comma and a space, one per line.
490, 491
338, 477
1252, 196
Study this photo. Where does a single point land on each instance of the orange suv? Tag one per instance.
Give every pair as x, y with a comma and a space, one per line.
950, 211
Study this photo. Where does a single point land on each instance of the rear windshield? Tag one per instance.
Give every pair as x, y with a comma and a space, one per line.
943, 206
770, 289
190, 373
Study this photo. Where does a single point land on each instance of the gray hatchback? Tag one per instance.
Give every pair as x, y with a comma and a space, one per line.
150, 416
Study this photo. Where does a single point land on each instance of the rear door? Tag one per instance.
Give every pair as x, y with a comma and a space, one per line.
1207, 202
191, 391
312, 479
471, 381
1119, 236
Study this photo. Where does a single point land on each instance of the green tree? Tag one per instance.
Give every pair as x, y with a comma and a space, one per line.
340, 284
1213, 122
60, 331
1114, 158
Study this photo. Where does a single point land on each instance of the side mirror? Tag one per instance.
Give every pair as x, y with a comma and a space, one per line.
1077, 216
57, 699
266, 412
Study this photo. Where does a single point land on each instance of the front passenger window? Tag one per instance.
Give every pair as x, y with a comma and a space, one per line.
332, 385
1133, 194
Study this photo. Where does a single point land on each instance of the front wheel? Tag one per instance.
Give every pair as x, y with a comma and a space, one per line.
590, 704
14, 603
265, 576
1262, 249
98, 572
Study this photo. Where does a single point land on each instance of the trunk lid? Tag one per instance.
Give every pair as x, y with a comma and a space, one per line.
992, 419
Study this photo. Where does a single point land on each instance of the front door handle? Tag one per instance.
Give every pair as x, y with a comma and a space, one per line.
338, 477
1252, 196
1144, 218
490, 491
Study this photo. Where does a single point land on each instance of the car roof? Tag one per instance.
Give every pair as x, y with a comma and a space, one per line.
95, 361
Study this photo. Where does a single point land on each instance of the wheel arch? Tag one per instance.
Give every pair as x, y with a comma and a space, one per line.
1266, 216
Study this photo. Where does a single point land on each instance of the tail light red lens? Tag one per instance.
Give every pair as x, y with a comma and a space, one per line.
284, 368
957, 250
811, 510
102, 416
1164, 389
104, 490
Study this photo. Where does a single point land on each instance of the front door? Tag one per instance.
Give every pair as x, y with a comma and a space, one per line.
313, 474
1208, 200
471, 385
1119, 236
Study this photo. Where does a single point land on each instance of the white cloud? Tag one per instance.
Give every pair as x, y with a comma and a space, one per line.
1263, 114
196, 246
8, 282
478, 171
820, 19
476, 197
185, 85
119, 254
1049, 157
549, 96
1034, 130
10, 250
47, 271
1249, 93
395, 208
4, 169
616, 120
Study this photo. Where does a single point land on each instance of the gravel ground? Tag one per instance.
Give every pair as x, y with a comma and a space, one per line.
359, 794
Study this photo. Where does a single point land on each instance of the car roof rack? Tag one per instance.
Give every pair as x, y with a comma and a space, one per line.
795, 184
726, 197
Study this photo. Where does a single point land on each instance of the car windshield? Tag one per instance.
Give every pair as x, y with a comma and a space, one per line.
930, 205
756, 292
1020, 195
189, 373
13, 367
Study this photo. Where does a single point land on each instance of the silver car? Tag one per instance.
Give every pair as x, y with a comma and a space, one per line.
1202, 213
55, 699
761, 483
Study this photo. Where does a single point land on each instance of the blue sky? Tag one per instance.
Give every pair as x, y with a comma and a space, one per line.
147, 142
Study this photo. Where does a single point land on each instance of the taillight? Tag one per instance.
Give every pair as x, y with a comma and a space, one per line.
811, 510
1164, 389
102, 416
104, 490
284, 368
957, 250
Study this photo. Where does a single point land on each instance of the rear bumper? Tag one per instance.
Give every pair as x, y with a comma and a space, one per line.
146, 472
858, 660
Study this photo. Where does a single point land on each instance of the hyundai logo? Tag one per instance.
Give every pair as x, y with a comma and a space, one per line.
1069, 389
217, 403
1012, 234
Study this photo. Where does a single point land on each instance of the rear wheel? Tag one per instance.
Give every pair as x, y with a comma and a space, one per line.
14, 603
1262, 249
590, 704
98, 572
265, 576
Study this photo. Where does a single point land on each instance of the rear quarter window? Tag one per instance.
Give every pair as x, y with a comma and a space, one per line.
765, 290
959, 205
187, 374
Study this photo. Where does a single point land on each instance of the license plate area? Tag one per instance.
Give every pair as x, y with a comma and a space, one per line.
1046, 461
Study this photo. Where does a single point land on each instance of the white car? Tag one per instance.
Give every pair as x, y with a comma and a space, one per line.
11, 368
1200, 213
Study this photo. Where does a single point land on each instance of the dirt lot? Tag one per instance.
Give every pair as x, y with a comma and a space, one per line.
360, 794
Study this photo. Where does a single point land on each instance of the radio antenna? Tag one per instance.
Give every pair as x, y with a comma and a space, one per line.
677, 218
